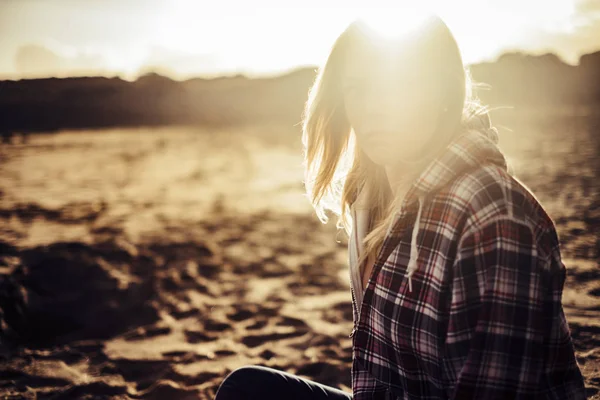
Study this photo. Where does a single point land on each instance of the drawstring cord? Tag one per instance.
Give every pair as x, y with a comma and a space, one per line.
412, 262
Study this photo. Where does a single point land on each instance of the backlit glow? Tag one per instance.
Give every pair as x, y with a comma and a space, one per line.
394, 23
186, 38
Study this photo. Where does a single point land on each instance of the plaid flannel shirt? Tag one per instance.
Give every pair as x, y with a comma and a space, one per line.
484, 319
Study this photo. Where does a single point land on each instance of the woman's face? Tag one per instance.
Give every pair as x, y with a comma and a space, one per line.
392, 105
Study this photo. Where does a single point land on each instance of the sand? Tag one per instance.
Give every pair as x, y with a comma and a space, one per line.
150, 263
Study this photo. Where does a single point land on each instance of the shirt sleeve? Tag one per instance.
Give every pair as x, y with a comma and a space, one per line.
562, 372
497, 321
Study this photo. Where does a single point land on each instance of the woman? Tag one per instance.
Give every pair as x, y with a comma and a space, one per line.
455, 266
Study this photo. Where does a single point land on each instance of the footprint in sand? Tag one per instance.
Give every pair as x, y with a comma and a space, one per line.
595, 292
198, 336
144, 332
216, 326
259, 324
585, 337
290, 321
257, 340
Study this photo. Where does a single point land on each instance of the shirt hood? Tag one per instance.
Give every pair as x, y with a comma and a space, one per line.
476, 145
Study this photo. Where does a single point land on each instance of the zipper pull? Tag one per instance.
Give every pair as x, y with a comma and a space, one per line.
352, 333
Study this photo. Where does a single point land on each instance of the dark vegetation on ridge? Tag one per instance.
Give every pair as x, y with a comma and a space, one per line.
50, 104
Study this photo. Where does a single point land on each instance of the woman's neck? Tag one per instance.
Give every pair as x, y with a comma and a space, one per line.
400, 178
404, 172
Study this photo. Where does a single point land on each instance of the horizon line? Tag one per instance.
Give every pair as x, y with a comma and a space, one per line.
247, 73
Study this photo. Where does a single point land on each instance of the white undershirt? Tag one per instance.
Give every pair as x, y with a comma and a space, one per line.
356, 248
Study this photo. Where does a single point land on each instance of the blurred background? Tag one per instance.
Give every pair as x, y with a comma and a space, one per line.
154, 231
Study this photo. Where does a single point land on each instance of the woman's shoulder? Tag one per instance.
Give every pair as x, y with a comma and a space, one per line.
495, 204
490, 192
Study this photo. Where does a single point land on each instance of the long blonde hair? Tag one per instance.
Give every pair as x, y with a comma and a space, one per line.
335, 169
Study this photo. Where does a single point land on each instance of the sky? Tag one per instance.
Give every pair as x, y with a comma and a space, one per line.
188, 38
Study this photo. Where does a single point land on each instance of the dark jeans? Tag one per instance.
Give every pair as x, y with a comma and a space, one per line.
252, 382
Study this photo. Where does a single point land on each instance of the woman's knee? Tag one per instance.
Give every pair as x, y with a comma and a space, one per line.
242, 382
244, 372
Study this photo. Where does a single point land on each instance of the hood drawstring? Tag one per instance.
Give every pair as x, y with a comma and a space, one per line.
412, 262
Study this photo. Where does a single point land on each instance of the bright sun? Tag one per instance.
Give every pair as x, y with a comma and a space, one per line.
271, 38
397, 23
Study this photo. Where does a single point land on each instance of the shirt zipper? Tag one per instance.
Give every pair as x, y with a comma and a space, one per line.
354, 305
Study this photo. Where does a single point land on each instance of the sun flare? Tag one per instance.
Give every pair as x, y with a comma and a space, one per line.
394, 23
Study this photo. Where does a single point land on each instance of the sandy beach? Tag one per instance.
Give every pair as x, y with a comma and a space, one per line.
149, 263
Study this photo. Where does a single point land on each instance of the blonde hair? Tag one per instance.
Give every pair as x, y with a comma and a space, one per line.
335, 169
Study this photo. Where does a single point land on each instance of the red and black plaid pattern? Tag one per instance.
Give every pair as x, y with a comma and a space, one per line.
484, 319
